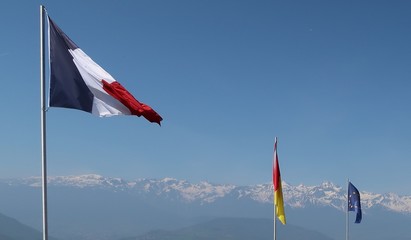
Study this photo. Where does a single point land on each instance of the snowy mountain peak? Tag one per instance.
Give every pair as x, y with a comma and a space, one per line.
330, 186
81, 181
327, 194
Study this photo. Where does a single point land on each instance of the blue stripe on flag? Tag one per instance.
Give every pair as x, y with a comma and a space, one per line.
67, 87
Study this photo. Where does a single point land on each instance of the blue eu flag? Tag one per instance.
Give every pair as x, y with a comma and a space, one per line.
354, 203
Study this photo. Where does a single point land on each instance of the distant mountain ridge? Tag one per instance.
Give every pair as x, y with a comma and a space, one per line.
11, 229
90, 207
233, 228
301, 196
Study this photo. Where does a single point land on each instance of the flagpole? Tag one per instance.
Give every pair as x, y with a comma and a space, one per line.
347, 223
43, 124
275, 214
275, 225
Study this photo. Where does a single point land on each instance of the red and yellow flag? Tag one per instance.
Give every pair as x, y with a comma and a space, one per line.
278, 191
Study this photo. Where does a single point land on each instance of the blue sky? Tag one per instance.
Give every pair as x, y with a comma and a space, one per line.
330, 79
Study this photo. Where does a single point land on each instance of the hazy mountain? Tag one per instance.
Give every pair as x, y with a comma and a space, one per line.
11, 229
95, 207
326, 194
233, 229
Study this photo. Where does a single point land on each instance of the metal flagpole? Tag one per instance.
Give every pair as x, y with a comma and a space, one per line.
347, 215
43, 124
275, 214
275, 225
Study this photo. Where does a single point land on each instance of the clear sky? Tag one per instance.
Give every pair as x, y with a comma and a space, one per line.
330, 79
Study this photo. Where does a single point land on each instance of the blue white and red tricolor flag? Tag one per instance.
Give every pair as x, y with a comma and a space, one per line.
77, 82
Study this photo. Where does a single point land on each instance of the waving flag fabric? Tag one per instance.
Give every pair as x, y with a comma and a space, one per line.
278, 190
77, 82
354, 203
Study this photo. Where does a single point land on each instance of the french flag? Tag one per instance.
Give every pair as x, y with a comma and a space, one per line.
77, 82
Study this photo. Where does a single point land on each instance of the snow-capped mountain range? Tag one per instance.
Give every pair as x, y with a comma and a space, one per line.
301, 196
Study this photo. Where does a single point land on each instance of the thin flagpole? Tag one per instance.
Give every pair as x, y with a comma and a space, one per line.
347, 223
275, 214
275, 225
43, 124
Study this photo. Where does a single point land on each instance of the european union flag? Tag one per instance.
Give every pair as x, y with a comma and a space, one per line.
354, 203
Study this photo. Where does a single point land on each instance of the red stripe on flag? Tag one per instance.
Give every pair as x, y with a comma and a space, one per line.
116, 90
276, 169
